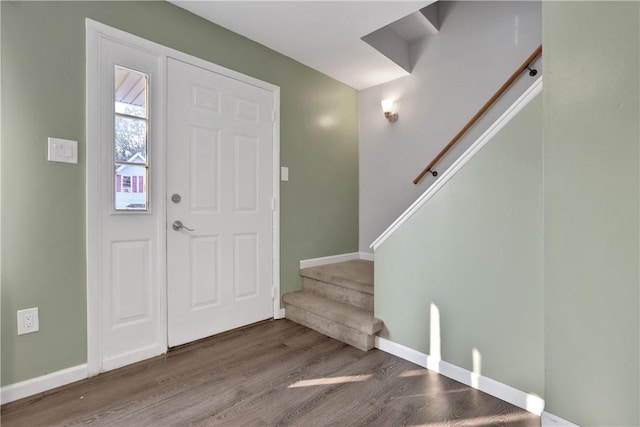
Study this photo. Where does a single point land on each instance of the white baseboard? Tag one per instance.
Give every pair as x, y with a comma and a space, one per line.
401, 351
316, 262
281, 314
12, 392
367, 256
521, 399
550, 420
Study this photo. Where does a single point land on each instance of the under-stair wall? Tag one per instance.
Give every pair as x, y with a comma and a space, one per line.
462, 279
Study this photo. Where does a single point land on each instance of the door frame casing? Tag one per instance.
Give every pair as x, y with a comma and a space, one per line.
95, 32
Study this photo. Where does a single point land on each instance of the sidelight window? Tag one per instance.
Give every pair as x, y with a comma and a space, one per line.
131, 166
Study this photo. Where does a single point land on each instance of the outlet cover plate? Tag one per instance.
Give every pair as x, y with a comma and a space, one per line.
28, 321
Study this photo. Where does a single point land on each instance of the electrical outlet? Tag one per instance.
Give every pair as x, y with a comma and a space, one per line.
28, 321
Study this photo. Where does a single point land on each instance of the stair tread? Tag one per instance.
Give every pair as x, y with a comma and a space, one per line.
355, 274
338, 312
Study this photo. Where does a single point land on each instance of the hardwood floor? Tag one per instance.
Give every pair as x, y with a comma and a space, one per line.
274, 373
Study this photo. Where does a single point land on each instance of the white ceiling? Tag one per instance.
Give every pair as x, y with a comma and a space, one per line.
324, 35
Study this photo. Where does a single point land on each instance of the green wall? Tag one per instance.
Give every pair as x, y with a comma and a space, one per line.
43, 203
591, 196
475, 251
493, 268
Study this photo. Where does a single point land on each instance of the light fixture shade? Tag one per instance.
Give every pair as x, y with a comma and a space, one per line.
387, 109
387, 105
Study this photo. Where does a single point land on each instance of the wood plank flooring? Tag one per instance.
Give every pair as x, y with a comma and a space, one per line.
274, 373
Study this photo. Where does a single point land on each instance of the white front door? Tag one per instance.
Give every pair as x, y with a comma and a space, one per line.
206, 134
220, 188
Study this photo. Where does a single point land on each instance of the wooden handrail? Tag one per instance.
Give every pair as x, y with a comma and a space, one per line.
479, 114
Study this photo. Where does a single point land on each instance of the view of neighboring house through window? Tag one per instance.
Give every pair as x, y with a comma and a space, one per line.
130, 147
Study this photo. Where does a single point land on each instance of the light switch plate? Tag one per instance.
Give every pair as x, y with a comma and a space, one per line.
284, 173
62, 150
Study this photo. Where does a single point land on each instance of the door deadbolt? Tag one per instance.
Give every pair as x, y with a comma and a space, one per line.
175, 198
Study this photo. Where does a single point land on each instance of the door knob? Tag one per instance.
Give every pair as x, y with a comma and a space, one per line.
178, 226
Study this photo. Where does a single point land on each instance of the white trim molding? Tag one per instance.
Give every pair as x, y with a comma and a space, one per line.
316, 262
501, 122
333, 259
13, 392
367, 256
521, 399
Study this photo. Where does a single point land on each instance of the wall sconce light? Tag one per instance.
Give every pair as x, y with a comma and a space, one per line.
387, 109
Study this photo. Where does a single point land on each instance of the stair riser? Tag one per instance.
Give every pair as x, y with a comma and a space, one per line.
327, 327
338, 293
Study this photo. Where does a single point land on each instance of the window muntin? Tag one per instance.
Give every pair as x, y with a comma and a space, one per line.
131, 139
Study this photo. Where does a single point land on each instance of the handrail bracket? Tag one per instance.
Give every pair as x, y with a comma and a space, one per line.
526, 65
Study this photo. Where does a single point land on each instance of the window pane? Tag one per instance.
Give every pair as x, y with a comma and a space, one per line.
131, 140
131, 92
131, 168
131, 187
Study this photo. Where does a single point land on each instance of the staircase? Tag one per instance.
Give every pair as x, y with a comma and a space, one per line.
337, 300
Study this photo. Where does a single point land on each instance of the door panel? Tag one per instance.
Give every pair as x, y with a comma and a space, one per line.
220, 163
245, 262
130, 241
205, 265
205, 170
131, 285
246, 175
